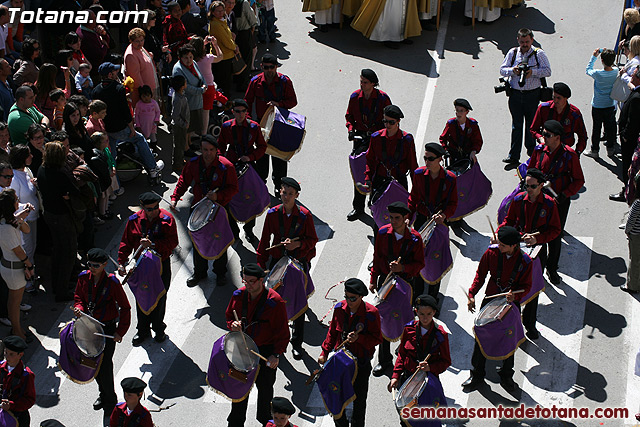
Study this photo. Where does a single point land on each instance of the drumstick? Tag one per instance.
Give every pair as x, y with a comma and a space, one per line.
426, 359
89, 317
345, 342
504, 294
390, 272
281, 244
394, 393
259, 355
491, 225
103, 335
465, 293
165, 200
243, 338
316, 373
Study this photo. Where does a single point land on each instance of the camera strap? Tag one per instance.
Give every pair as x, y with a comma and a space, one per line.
543, 80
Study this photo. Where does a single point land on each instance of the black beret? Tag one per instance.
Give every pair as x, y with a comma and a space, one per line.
15, 343
281, 405
268, 58
240, 103
393, 111
426, 300
149, 198
356, 286
461, 102
537, 174
509, 235
290, 182
435, 148
51, 423
369, 75
562, 89
133, 385
210, 139
399, 207
554, 127
97, 254
254, 270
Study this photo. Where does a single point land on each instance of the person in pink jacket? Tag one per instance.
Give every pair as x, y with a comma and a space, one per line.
138, 64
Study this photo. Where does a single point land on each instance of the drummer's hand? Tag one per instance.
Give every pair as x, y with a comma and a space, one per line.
289, 245
211, 195
473, 157
471, 305
510, 297
396, 267
352, 337
5, 405
372, 287
146, 243
273, 362
392, 384
530, 239
77, 312
322, 359
236, 326
122, 271
117, 337
173, 205
424, 366
493, 241
439, 218
245, 159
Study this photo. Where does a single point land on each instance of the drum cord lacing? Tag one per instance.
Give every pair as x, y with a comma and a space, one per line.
333, 302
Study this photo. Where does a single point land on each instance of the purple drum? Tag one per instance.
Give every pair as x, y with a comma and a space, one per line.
209, 229
522, 169
289, 279
437, 255
72, 362
7, 419
335, 382
537, 282
423, 390
474, 191
284, 132
358, 164
498, 329
394, 304
393, 193
146, 281
252, 198
504, 205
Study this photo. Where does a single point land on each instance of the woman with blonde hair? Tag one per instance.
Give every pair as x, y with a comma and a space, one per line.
218, 27
139, 65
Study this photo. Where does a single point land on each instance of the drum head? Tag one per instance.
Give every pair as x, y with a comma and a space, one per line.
277, 273
460, 167
88, 343
411, 390
241, 168
201, 214
427, 230
267, 122
386, 288
491, 312
237, 354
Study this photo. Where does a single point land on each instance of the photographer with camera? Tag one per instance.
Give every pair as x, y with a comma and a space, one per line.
523, 69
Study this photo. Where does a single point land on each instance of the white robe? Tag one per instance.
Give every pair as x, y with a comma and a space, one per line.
390, 25
482, 13
328, 16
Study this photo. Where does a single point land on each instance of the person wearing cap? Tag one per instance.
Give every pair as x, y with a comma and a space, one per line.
270, 88
358, 323
155, 228
285, 223
263, 316
561, 168
241, 141
364, 116
281, 409
100, 295
421, 338
509, 270
567, 114
461, 136
131, 412
397, 249
392, 152
119, 122
535, 215
523, 100
212, 176
17, 381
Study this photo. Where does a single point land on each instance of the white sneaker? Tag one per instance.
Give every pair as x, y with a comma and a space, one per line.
159, 165
592, 154
153, 173
25, 307
5, 321
119, 192
112, 197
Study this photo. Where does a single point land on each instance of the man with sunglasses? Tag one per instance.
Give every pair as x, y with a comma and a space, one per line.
461, 136
535, 215
358, 323
270, 88
364, 116
561, 167
101, 296
6, 175
150, 227
398, 249
263, 316
241, 140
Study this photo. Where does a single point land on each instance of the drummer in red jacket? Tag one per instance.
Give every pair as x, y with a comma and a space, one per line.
349, 316
461, 136
510, 270
16, 381
263, 316
131, 412
101, 296
281, 409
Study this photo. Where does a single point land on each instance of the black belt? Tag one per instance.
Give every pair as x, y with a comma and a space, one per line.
13, 265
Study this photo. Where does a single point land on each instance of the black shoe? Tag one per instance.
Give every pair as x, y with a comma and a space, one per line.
107, 407
296, 352
617, 197
139, 338
626, 289
160, 337
473, 382
221, 279
194, 279
392, 45
509, 160
508, 384
407, 41
511, 166
251, 238
381, 369
554, 277
354, 215
97, 405
533, 334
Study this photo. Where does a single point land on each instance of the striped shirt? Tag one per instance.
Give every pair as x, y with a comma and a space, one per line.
633, 221
540, 68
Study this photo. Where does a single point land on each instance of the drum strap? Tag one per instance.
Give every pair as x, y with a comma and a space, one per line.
134, 421
241, 150
292, 228
422, 352
256, 314
15, 382
101, 291
550, 176
427, 190
523, 219
351, 326
462, 137
369, 114
514, 272
268, 95
403, 248
155, 229
397, 155
207, 178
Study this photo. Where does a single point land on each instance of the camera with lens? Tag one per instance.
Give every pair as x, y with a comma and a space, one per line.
523, 67
504, 86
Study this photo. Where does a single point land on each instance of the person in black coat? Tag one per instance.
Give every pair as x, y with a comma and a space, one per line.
629, 130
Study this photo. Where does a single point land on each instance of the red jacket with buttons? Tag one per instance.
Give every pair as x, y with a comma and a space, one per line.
398, 161
219, 174
364, 114
407, 360
241, 140
454, 138
565, 174
260, 92
539, 216
429, 205
162, 231
119, 417
412, 259
368, 338
489, 264
18, 386
571, 121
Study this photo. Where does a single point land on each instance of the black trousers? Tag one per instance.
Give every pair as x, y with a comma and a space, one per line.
603, 117
279, 170
201, 264
627, 147
522, 106
24, 419
155, 319
105, 374
556, 244
264, 383
223, 76
530, 311
65, 250
361, 388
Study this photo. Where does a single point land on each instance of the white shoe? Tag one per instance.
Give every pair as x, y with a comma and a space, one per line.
119, 192
5, 321
98, 221
25, 307
592, 154
159, 165
112, 197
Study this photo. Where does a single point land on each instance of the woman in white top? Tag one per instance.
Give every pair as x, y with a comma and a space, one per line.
15, 266
204, 61
24, 183
634, 60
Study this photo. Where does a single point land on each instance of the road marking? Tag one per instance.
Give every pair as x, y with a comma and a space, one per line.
323, 231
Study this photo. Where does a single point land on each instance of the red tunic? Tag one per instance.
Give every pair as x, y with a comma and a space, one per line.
412, 259
565, 174
119, 417
407, 359
260, 92
110, 304
18, 386
467, 140
366, 115
489, 264
541, 216
219, 174
304, 229
368, 338
398, 164
269, 326
162, 232
571, 121
232, 140
447, 202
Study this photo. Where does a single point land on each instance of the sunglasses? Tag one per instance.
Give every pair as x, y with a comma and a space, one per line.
244, 110
431, 158
94, 264
531, 186
351, 299
268, 67
153, 208
7, 176
391, 122
547, 135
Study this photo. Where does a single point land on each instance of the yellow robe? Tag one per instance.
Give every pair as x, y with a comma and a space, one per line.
368, 15
315, 5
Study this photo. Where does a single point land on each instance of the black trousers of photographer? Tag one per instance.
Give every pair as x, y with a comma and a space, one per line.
522, 106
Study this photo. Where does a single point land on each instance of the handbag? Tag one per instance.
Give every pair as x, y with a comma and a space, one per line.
620, 91
238, 64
